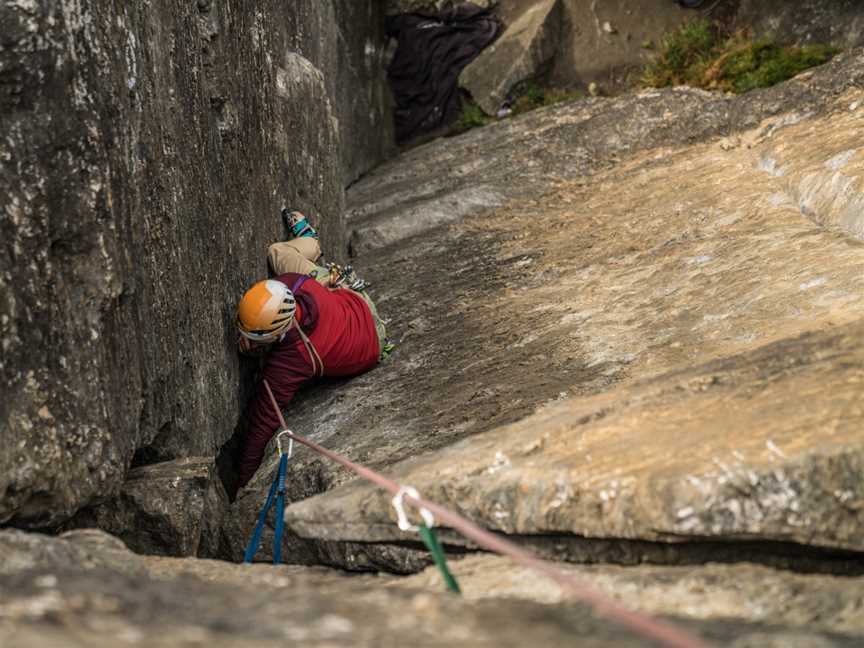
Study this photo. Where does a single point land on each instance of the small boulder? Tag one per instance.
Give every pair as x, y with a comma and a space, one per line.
528, 44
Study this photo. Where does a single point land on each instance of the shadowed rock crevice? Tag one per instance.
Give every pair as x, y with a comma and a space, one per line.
404, 558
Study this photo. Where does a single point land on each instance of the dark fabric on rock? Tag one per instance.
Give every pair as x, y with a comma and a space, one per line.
432, 51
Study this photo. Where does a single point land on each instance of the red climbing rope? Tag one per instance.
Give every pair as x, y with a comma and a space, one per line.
647, 626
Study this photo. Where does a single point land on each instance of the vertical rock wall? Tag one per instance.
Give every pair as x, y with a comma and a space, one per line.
145, 150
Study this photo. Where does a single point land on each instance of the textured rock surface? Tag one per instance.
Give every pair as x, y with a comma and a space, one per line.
75, 597
173, 508
840, 22
527, 45
603, 42
746, 592
146, 151
609, 42
761, 445
645, 268
524, 157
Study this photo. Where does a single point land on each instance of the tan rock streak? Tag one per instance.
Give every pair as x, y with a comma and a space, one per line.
748, 592
764, 446
740, 257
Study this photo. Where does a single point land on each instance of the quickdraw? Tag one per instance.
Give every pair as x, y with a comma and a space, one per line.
277, 492
427, 534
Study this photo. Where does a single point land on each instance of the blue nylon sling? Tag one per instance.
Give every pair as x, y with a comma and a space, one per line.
277, 489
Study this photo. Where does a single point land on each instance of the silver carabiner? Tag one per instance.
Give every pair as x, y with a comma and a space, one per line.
402, 518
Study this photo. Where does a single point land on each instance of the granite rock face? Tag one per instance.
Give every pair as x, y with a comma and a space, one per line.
751, 593
146, 152
608, 43
173, 508
839, 22
761, 445
76, 597
611, 266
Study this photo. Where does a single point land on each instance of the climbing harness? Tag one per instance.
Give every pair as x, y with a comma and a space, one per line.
277, 490
658, 630
427, 534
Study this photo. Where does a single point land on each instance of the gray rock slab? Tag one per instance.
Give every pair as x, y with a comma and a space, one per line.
839, 22
605, 42
525, 156
144, 157
182, 602
82, 549
651, 266
764, 445
174, 508
744, 592
527, 45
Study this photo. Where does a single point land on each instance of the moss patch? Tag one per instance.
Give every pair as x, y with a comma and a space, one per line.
472, 116
699, 54
531, 96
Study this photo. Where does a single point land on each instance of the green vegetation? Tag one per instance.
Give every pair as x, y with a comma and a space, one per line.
699, 54
528, 96
472, 116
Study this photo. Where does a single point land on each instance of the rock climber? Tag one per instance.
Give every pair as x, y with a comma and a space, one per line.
307, 321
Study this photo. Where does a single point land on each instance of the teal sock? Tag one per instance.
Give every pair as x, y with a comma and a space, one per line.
303, 228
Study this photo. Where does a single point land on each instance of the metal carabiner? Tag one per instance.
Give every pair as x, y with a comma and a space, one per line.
402, 518
290, 442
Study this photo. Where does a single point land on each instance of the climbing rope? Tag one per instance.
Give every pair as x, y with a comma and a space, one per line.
647, 626
277, 491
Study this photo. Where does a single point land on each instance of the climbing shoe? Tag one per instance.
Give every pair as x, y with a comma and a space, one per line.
296, 224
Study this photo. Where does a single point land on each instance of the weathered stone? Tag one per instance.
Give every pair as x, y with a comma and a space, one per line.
522, 51
839, 22
174, 508
146, 151
763, 445
179, 602
357, 82
605, 42
522, 157
744, 592
82, 549
650, 267
609, 42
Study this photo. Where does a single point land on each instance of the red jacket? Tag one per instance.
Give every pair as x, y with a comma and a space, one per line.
341, 328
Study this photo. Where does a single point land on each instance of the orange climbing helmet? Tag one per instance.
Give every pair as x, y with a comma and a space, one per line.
266, 311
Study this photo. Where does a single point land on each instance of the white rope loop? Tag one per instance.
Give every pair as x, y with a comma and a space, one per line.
402, 517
